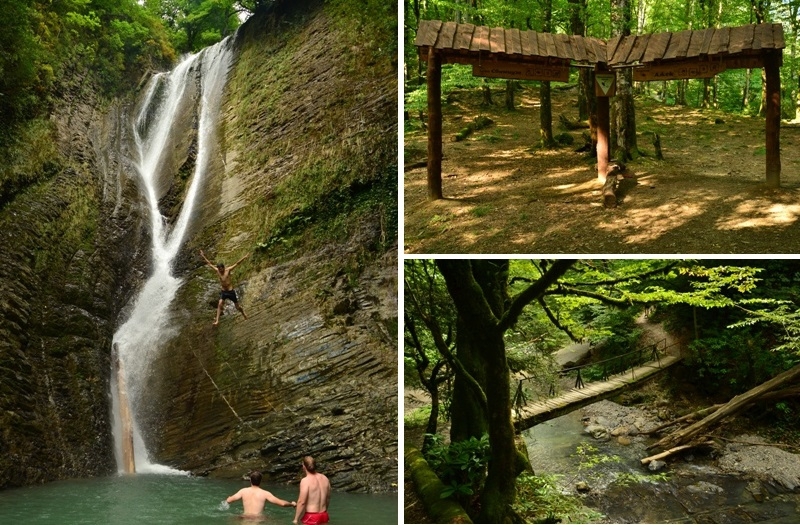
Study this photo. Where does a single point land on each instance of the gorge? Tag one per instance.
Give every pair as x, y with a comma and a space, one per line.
300, 170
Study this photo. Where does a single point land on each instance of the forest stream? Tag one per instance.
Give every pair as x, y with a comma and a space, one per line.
597, 451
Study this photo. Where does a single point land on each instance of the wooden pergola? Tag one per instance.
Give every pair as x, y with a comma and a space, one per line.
529, 55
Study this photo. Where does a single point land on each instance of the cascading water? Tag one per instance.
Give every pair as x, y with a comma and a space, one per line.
149, 325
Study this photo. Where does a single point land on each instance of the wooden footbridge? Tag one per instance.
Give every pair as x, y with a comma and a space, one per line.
532, 413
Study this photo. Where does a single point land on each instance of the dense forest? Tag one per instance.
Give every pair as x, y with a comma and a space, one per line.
739, 91
473, 325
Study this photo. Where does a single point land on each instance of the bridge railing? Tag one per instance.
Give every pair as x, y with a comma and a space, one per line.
600, 370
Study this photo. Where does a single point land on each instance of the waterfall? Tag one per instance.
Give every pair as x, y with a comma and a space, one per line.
137, 342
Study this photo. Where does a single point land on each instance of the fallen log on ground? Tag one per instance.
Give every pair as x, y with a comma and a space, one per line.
675, 450
703, 412
690, 433
697, 414
430, 488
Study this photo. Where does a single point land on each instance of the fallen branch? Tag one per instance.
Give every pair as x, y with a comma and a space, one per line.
698, 414
675, 450
732, 407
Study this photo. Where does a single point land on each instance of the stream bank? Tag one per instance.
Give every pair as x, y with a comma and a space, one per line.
597, 452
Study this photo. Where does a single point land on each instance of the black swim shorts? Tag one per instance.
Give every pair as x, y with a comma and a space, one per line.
229, 295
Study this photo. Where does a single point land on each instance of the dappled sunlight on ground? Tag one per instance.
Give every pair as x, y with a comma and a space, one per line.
505, 195
759, 214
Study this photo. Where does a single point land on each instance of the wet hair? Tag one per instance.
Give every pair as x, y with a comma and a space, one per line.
220, 266
309, 464
255, 478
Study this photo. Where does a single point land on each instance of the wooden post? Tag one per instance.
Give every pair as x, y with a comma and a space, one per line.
772, 64
602, 138
434, 125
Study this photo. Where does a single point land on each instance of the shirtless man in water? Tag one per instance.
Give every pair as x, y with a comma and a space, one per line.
224, 274
315, 495
254, 497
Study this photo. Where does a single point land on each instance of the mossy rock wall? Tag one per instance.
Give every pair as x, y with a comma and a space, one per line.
69, 248
308, 185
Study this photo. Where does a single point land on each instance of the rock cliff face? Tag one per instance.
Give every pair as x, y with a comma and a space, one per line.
70, 245
307, 183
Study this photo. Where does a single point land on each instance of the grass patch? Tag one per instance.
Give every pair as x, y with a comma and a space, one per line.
481, 211
539, 500
418, 417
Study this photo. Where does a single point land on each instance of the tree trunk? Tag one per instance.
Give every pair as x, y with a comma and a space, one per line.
479, 289
429, 488
499, 490
546, 109
545, 116
434, 125
623, 121
731, 407
467, 415
746, 95
510, 85
487, 93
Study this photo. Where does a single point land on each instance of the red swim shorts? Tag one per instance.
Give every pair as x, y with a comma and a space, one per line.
312, 518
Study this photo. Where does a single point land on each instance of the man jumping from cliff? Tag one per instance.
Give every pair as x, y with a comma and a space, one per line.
224, 274
254, 497
315, 495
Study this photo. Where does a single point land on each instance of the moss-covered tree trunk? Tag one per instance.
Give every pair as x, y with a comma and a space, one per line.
429, 488
479, 289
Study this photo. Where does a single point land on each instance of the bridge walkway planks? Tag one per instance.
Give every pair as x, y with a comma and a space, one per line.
546, 409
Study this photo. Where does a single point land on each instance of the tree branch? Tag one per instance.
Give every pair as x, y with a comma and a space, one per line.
555, 321
611, 282
534, 291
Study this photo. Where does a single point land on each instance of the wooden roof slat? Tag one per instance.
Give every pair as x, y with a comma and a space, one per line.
696, 43
600, 49
525, 43
741, 38
463, 36
638, 49
719, 44
707, 39
513, 36
657, 47
624, 49
678, 45
777, 37
589, 47
569, 50
760, 35
480, 39
550, 44
611, 47
497, 40
427, 32
579, 48
446, 36
767, 38
561, 51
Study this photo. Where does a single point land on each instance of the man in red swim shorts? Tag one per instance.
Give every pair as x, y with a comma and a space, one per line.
315, 494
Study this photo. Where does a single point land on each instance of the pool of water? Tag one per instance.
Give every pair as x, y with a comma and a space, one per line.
154, 499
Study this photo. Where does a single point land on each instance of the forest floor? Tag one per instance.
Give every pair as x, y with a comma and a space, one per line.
503, 195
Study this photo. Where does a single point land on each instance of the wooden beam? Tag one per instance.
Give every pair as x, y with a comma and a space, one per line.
521, 71
434, 125
772, 64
